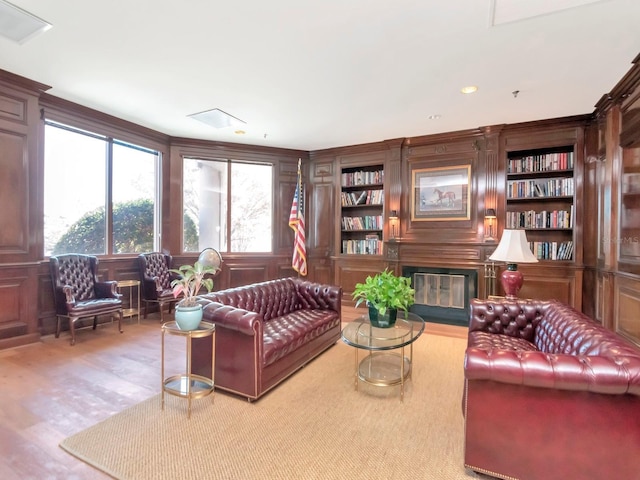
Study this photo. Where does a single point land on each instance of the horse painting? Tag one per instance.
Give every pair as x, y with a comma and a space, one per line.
445, 198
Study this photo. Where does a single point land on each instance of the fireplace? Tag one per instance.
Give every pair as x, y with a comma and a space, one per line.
442, 294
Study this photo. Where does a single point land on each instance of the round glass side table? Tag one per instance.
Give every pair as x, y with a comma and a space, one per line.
188, 385
387, 362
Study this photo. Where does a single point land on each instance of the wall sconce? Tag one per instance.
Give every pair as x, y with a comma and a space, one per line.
393, 218
490, 214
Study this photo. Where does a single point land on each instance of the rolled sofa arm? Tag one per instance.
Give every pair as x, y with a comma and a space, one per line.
320, 296
590, 373
232, 318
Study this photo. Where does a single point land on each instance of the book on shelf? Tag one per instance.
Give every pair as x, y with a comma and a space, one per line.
364, 197
552, 250
350, 179
540, 188
369, 246
531, 219
367, 222
547, 162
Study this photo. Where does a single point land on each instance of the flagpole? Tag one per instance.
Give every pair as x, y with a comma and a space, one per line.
297, 223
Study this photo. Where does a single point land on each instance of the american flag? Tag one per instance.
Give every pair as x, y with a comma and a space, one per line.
296, 222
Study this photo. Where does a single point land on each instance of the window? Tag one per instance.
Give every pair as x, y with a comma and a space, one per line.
227, 205
91, 182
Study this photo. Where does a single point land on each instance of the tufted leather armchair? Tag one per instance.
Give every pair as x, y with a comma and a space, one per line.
78, 293
155, 281
549, 393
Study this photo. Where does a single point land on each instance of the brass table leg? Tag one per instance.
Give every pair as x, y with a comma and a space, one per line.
357, 370
402, 374
162, 371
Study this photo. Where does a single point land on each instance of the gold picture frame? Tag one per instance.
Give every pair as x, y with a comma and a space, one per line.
441, 193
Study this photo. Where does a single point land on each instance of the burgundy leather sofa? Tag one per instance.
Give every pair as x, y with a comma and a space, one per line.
266, 331
549, 394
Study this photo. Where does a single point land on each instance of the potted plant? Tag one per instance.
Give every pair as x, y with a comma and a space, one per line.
191, 279
384, 294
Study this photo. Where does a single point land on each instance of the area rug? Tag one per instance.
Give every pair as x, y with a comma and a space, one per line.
315, 425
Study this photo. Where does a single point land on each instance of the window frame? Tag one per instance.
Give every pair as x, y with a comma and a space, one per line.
229, 160
111, 137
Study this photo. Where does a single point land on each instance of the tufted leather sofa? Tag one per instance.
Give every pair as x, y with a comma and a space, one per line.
266, 331
549, 394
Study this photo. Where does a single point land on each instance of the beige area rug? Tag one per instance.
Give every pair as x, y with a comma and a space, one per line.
313, 426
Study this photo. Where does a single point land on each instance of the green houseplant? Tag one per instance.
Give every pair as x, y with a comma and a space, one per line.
191, 278
384, 294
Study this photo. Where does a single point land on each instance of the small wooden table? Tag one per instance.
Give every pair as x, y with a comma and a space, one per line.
188, 385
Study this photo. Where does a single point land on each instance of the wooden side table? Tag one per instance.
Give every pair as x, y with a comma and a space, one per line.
189, 385
133, 310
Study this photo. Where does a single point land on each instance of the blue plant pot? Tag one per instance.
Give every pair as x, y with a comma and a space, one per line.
382, 321
188, 318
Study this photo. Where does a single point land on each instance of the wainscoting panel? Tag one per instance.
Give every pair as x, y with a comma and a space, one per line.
545, 288
245, 275
18, 323
627, 306
348, 273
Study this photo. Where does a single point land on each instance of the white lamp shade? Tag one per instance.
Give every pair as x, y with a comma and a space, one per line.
513, 248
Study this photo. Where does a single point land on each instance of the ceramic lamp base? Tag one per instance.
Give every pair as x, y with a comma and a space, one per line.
512, 280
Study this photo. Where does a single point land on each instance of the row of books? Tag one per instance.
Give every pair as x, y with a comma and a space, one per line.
552, 250
365, 197
367, 222
372, 246
543, 219
548, 187
350, 179
548, 162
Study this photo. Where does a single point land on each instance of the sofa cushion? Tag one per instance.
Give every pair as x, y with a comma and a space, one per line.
490, 341
286, 333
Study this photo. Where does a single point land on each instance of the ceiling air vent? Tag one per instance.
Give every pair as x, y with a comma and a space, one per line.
216, 118
19, 25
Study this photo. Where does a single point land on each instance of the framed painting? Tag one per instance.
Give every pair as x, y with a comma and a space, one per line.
440, 193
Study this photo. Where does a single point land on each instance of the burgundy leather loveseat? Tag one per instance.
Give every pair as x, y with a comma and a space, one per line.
549, 394
266, 331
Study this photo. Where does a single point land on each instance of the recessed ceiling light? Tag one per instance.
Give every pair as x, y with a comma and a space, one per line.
434, 117
19, 25
216, 118
469, 89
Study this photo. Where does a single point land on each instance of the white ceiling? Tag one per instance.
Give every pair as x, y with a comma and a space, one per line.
313, 75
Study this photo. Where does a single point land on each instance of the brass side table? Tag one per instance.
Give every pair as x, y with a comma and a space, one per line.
134, 309
188, 385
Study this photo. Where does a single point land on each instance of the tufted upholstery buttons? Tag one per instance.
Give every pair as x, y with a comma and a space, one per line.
78, 293
155, 281
265, 331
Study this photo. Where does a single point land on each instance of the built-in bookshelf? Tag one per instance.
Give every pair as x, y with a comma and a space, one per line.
362, 210
540, 199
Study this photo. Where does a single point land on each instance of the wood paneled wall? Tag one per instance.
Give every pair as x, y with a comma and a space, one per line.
612, 235
604, 280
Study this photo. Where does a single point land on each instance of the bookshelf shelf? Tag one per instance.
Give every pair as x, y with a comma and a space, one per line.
540, 197
362, 210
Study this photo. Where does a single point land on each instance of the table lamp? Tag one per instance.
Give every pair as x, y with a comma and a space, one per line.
513, 249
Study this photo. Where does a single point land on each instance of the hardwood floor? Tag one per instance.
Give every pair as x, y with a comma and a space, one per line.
51, 390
